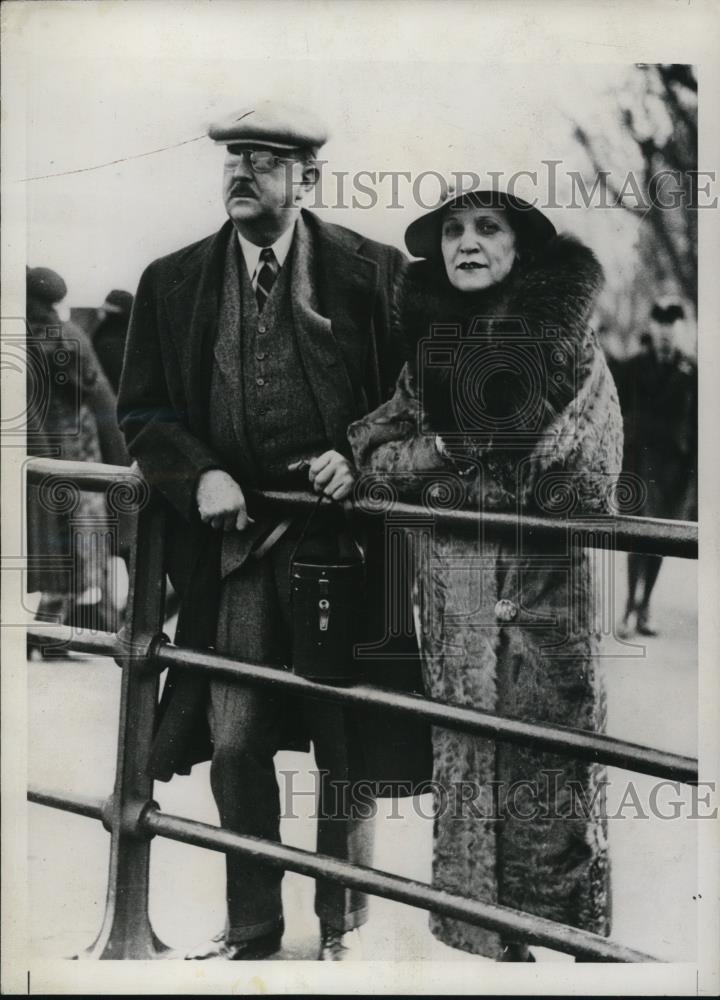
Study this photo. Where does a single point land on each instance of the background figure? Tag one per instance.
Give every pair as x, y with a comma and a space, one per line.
71, 416
111, 332
658, 396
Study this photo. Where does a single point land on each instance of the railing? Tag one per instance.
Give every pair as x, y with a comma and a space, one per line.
133, 818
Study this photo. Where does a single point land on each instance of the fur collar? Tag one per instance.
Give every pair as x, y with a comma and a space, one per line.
566, 268
547, 299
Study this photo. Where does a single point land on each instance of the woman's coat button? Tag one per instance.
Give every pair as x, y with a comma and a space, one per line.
506, 611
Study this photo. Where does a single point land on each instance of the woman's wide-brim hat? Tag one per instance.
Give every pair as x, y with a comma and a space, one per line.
532, 228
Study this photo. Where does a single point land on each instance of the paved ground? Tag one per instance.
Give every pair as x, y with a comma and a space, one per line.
73, 711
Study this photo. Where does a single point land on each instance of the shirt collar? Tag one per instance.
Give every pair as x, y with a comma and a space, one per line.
251, 252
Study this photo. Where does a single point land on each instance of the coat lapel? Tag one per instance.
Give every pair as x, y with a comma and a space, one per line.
333, 292
333, 289
228, 351
193, 306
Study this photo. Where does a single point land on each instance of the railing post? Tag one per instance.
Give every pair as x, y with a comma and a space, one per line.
126, 932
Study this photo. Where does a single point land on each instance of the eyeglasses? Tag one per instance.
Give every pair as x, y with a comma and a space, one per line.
261, 161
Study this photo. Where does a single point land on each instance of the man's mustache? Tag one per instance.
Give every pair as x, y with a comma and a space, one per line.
242, 189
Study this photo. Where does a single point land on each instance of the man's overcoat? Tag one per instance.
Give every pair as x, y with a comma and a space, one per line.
351, 360
659, 406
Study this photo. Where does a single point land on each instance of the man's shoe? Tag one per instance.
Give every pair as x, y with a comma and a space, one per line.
625, 629
237, 951
335, 945
643, 625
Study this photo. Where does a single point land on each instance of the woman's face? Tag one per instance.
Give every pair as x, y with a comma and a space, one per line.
478, 247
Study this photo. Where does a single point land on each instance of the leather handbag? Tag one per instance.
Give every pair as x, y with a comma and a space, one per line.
327, 584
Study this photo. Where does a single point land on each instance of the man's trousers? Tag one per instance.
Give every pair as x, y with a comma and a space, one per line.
248, 724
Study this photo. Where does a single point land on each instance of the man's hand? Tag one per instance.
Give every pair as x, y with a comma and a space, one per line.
330, 474
220, 501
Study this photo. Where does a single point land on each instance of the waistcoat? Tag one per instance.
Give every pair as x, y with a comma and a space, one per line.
275, 405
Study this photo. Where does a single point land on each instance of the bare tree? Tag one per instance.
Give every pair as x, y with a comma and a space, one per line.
654, 156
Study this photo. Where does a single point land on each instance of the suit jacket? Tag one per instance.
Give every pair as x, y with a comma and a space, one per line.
352, 359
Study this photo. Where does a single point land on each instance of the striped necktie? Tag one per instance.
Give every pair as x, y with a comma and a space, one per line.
266, 276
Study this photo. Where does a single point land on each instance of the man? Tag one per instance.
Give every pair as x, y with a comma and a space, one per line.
249, 354
111, 332
658, 396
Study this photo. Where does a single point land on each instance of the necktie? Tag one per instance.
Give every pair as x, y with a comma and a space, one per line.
266, 276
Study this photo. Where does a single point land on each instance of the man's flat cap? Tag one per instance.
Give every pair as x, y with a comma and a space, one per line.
118, 301
277, 126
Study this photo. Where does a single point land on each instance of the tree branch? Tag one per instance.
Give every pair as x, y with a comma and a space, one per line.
688, 120
584, 140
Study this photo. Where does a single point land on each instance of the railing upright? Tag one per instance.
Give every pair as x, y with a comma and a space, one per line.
126, 932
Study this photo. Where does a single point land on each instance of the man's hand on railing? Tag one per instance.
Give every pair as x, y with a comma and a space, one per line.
330, 474
221, 502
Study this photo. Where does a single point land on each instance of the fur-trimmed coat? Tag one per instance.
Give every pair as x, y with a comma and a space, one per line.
506, 403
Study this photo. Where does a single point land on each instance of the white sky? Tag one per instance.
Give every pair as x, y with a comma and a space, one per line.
108, 80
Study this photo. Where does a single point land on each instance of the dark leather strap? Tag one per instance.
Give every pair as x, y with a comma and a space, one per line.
313, 513
271, 538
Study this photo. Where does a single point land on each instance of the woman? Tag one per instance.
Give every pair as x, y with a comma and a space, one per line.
71, 415
505, 403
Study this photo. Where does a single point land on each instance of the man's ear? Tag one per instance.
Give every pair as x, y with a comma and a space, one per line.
310, 176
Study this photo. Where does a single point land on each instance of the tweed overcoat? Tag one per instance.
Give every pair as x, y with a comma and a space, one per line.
509, 627
351, 361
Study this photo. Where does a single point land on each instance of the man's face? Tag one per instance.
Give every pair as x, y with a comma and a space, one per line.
665, 336
261, 199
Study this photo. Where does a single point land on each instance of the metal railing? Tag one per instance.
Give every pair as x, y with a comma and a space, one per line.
133, 818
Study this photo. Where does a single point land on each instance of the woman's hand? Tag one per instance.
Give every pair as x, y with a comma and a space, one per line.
330, 474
